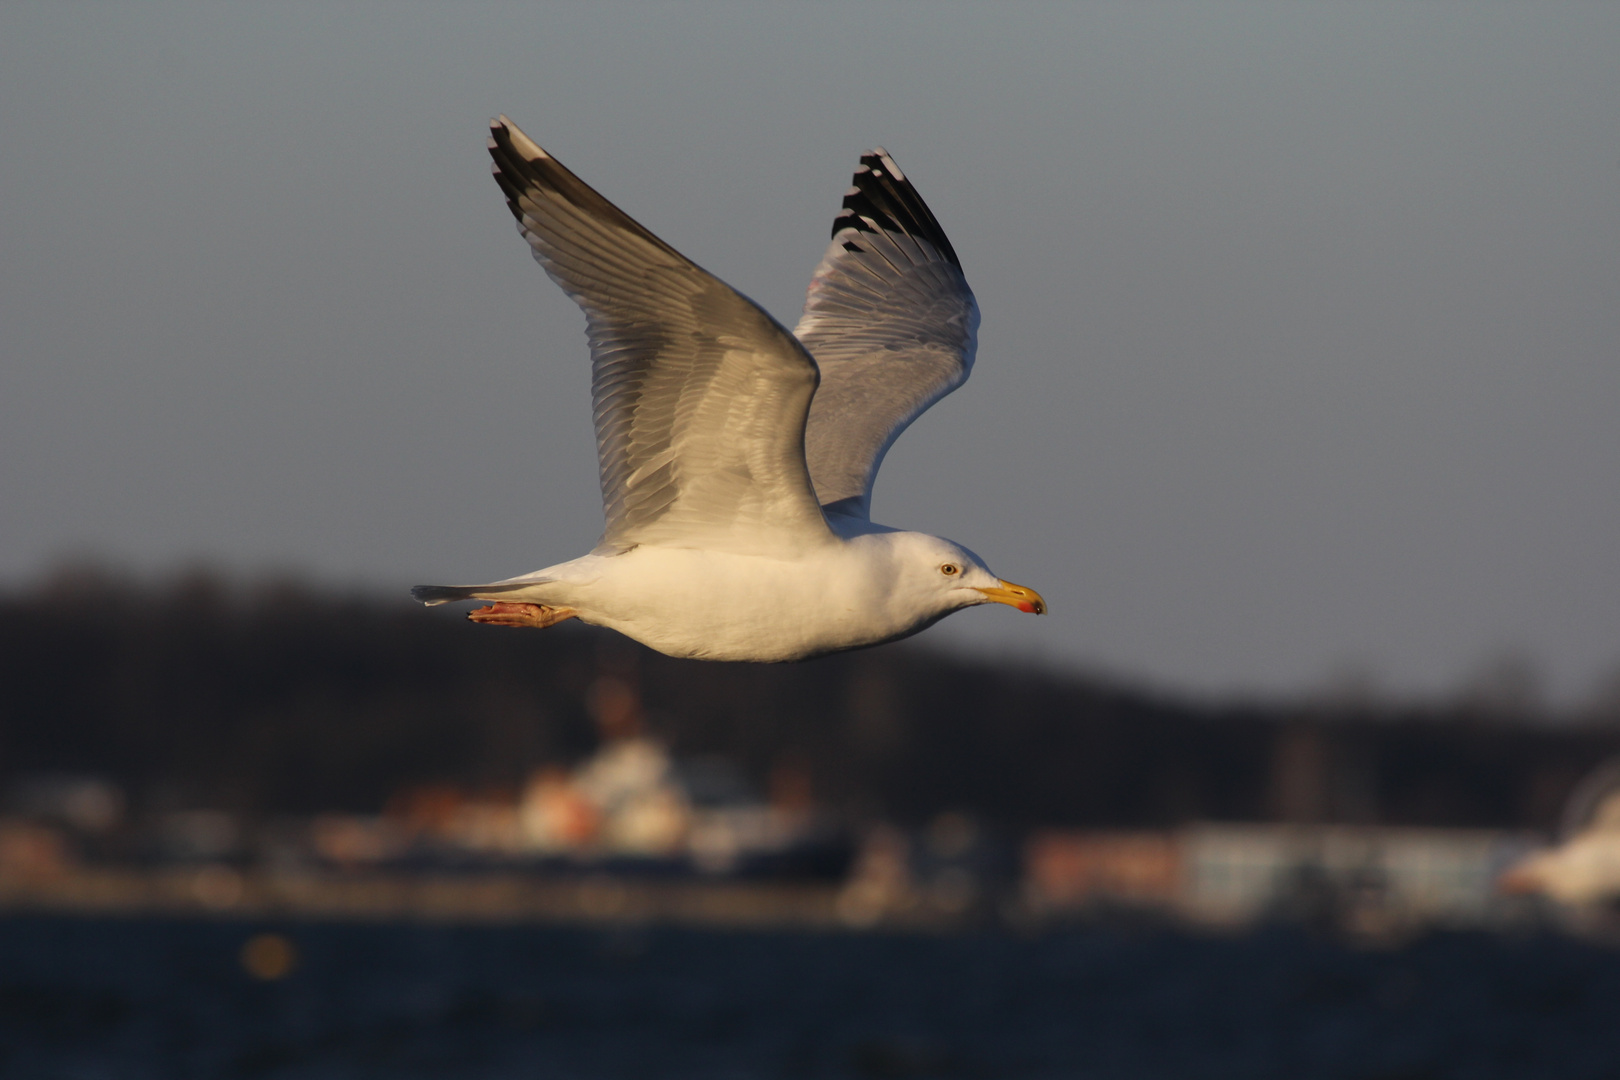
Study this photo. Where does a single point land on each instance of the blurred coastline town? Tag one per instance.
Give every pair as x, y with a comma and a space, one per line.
204, 749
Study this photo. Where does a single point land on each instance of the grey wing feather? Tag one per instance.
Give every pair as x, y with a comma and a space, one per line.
700, 398
892, 325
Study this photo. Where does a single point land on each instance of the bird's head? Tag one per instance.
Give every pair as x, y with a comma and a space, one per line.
958, 578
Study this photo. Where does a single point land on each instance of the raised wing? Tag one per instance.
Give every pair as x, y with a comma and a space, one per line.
700, 396
892, 324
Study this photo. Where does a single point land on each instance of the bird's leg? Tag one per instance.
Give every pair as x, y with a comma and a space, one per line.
538, 616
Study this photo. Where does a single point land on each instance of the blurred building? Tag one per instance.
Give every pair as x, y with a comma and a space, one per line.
632, 805
1073, 871
31, 852
1358, 877
53, 821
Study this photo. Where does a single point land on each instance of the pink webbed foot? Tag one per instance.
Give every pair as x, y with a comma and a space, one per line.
538, 616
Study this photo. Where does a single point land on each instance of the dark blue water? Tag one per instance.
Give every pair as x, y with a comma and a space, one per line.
162, 999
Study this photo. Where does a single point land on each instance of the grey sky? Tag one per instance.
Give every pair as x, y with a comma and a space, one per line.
1301, 341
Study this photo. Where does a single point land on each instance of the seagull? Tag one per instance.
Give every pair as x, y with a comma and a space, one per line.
1583, 871
737, 457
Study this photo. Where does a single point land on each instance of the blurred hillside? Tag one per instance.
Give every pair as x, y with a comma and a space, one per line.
276, 699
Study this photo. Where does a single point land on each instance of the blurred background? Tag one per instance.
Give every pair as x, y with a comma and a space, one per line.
1295, 397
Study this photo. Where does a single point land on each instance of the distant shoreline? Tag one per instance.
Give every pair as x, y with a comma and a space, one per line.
215, 891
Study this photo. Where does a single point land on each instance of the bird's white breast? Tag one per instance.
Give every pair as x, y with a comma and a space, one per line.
716, 605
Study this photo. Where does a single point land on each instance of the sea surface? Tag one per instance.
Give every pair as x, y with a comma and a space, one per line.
171, 999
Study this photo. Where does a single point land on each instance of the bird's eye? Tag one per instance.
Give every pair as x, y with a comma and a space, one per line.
950, 569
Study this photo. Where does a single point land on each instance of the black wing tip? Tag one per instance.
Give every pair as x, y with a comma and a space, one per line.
882, 198
519, 164
511, 138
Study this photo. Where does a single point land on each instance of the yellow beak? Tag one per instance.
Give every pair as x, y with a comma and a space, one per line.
1026, 600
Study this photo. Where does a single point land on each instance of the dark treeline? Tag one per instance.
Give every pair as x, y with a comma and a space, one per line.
277, 699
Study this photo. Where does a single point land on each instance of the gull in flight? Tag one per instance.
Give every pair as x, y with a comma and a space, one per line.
736, 456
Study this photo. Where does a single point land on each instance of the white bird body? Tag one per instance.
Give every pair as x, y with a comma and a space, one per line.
737, 457
871, 588
1584, 870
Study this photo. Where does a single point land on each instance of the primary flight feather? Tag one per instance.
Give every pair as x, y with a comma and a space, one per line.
737, 457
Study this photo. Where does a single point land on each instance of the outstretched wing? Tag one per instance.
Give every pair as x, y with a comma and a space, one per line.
700, 397
892, 324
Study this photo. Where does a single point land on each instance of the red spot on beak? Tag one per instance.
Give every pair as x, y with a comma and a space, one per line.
1026, 607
